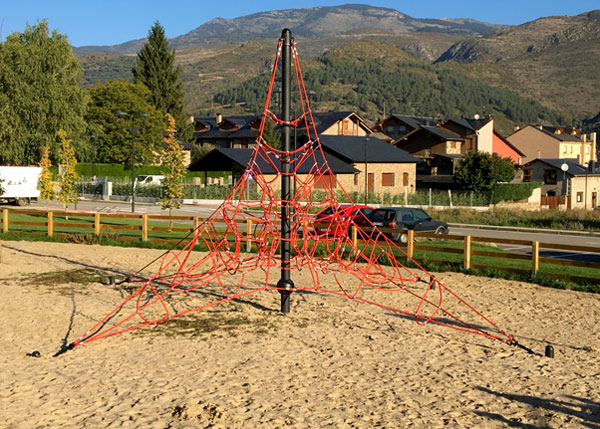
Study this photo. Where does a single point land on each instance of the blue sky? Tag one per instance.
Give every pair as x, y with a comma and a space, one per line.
110, 22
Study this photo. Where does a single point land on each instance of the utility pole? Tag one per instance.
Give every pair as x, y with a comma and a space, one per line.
366, 172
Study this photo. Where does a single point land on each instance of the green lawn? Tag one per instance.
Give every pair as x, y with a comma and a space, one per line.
81, 230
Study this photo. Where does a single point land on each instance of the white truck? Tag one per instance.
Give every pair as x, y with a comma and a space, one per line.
19, 184
149, 180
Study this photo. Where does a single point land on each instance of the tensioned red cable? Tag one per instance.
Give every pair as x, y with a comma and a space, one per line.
184, 280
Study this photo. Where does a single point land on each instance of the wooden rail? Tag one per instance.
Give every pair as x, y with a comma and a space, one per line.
99, 222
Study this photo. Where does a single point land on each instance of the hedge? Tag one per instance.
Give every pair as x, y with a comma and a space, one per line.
123, 170
514, 191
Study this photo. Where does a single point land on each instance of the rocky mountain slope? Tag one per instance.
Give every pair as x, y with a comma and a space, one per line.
312, 23
554, 60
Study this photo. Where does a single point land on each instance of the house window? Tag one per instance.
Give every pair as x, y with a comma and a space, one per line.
579, 197
549, 177
402, 128
344, 128
387, 179
587, 150
527, 172
565, 149
391, 129
356, 178
405, 179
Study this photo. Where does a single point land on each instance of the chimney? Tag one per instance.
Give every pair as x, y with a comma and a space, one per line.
219, 118
190, 119
538, 154
541, 127
516, 128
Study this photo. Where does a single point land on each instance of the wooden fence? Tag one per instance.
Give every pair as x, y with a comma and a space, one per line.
142, 229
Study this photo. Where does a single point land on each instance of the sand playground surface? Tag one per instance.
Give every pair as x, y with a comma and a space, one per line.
331, 362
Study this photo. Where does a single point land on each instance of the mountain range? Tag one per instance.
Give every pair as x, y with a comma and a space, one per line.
311, 23
553, 60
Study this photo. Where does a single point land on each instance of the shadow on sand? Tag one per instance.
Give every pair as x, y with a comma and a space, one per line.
580, 411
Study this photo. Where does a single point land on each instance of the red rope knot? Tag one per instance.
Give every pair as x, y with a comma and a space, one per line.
511, 340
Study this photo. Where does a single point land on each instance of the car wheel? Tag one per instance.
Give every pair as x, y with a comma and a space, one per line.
441, 230
403, 238
22, 202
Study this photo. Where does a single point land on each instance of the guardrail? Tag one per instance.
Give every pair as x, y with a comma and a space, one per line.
141, 229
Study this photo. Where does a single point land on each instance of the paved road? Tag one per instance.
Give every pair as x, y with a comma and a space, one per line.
123, 207
542, 237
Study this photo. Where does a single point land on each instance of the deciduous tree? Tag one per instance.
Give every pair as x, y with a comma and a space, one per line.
173, 160
68, 178
40, 92
45, 186
479, 171
113, 141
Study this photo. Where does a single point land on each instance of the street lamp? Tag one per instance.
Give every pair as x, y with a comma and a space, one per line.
564, 167
93, 141
133, 131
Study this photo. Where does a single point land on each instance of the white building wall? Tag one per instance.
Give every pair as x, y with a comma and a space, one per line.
485, 137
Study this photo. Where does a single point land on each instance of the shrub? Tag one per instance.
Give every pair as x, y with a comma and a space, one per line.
514, 191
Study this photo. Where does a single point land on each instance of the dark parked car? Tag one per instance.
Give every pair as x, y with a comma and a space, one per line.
353, 211
406, 218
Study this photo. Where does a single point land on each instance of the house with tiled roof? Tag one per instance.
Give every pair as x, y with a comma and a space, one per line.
438, 149
227, 132
355, 161
553, 142
477, 133
240, 132
564, 181
395, 126
382, 167
345, 123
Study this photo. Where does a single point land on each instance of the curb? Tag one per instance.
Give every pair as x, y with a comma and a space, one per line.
530, 230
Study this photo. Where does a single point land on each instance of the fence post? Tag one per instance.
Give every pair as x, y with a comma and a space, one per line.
467, 253
410, 243
535, 258
144, 227
430, 198
196, 222
4, 220
97, 224
450, 197
405, 196
354, 235
50, 224
248, 234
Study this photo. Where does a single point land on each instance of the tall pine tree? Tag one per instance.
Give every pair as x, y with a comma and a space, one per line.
155, 68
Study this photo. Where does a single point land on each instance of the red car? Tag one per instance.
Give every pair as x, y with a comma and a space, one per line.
341, 217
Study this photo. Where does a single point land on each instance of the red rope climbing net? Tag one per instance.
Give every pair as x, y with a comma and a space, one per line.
213, 265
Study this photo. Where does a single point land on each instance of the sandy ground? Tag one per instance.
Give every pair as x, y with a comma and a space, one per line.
332, 362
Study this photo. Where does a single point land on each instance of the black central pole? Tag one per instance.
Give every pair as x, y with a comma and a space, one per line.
285, 284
